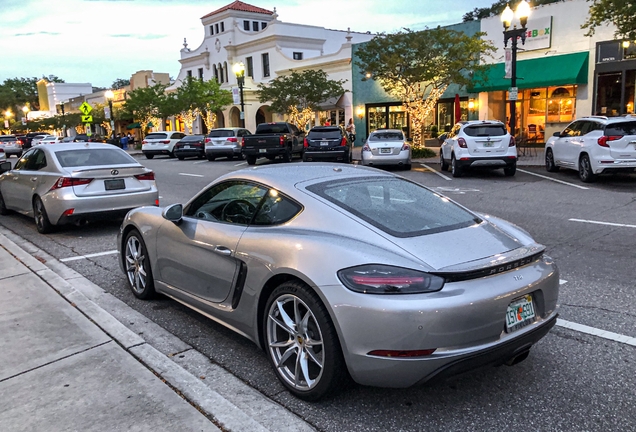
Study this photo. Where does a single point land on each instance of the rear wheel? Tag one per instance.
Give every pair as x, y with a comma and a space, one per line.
230, 157
42, 222
550, 166
171, 155
509, 171
180, 157
456, 171
251, 160
3, 208
302, 343
149, 156
407, 167
585, 169
210, 158
137, 265
443, 164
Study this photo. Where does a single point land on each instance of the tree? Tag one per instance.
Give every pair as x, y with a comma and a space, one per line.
151, 105
498, 7
120, 83
417, 67
18, 92
299, 94
621, 13
197, 97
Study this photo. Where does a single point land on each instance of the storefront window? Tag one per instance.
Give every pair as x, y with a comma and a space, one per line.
630, 82
377, 118
608, 101
561, 103
397, 118
445, 116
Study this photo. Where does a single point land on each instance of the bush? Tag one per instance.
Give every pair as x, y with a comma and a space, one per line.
422, 153
434, 131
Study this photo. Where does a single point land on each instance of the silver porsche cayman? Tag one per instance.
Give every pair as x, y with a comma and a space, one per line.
340, 271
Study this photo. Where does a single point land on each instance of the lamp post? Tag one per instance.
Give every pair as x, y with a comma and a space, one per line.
239, 71
26, 110
522, 13
109, 95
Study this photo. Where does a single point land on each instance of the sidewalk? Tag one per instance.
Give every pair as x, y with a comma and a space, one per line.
69, 364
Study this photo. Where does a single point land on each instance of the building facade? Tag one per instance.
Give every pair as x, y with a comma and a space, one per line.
268, 48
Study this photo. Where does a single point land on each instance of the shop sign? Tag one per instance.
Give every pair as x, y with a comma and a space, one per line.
539, 34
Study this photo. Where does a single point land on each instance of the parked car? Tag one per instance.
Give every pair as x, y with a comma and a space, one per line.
10, 145
593, 146
28, 138
51, 139
273, 139
386, 147
328, 143
66, 183
348, 270
160, 143
37, 140
87, 138
190, 146
478, 144
225, 142
68, 139
3, 156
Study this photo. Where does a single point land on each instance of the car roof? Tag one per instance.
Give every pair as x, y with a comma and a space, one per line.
480, 122
77, 146
387, 130
610, 120
226, 128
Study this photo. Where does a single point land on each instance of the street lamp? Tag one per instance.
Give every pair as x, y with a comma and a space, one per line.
239, 71
522, 13
26, 110
109, 95
7, 117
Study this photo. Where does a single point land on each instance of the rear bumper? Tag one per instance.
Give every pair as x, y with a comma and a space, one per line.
368, 158
222, 150
338, 154
275, 151
188, 152
486, 162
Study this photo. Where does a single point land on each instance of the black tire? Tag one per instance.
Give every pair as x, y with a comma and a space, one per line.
137, 266
251, 160
325, 366
230, 157
304, 158
550, 166
456, 171
149, 156
443, 164
42, 222
210, 158
3, 208
171, 155
406, 167
287, 156
201, 156
585, 169
510, 170
181, 157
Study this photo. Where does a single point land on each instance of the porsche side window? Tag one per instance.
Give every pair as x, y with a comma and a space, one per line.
229, 202
276, 209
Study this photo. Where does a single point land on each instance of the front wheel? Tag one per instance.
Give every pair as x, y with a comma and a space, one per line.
302, 343
443, 164
42, 222
585, 169
287, 156
251, 160
137, 265
550, 166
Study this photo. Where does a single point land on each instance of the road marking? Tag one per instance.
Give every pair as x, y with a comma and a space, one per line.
191, 175
562, 281
199, 162
436, 172
460, 191
551, 179
88, 256
603, 223
628, 340
242, 163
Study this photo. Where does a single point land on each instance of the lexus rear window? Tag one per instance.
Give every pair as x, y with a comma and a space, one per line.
623, 128
221, 134
328, 134
386, 136
90, 157
157, 136
485, 130
396, 206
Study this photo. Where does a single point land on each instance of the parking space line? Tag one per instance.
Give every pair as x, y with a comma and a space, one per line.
77, 258
199, 162
603, 223
551, 179
628, 340
191, 175
242, 163
436, 172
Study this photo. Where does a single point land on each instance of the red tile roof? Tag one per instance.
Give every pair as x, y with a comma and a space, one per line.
240, 6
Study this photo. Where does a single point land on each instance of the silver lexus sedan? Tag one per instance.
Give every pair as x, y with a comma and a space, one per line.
74, 183
340, 271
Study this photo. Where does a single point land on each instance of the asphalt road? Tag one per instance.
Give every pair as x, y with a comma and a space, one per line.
572, 381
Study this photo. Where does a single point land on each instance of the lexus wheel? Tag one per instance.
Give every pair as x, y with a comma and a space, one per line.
42, 222
3, 207
137, 265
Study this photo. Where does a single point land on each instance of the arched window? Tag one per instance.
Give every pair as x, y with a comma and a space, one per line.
225, 67
221, 75
216, 73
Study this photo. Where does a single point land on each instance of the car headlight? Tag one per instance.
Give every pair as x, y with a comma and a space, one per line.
385, 279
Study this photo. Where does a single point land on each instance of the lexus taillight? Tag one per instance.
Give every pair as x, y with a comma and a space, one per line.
305, 143
603, 141
146, 176
63, 182
512, 142
232, 139
461, 142
405, 146
343, 142
281, 140
385, 279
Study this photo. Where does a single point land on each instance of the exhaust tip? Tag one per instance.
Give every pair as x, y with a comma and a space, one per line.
518, 358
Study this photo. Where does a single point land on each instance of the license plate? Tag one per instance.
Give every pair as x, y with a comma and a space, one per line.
520, 313
385, 150
489, 144
262, 150
114, 184
186, 147
324, 143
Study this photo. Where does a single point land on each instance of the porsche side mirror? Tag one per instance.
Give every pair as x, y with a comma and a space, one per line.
173, 213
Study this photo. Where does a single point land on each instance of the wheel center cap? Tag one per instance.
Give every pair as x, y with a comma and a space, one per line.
300, 339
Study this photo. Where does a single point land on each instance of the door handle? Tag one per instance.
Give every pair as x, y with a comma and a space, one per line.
222, 250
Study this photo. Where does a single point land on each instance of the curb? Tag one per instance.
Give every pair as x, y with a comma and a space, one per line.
239, 408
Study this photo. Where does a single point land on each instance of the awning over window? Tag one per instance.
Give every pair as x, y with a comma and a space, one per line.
539, 72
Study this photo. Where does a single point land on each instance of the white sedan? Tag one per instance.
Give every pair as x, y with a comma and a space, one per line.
51, 139
387, 147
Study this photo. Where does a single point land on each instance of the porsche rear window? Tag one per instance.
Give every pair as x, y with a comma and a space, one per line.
396, 206
92, 157
485, 130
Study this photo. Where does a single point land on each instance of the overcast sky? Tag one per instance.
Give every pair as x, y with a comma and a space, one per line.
98, 41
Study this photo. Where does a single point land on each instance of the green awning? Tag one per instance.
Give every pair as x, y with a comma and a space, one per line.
538, 72
133, 126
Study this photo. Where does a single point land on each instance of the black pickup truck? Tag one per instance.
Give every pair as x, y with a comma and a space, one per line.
273, 139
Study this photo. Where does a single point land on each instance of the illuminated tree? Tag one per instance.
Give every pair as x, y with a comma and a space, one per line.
621, 13
196, 97
417, 67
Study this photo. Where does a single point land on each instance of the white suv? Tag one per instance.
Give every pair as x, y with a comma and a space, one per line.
594, 145
478, 144
158, 143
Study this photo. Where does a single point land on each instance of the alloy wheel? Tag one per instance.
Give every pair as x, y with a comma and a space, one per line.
135, 265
